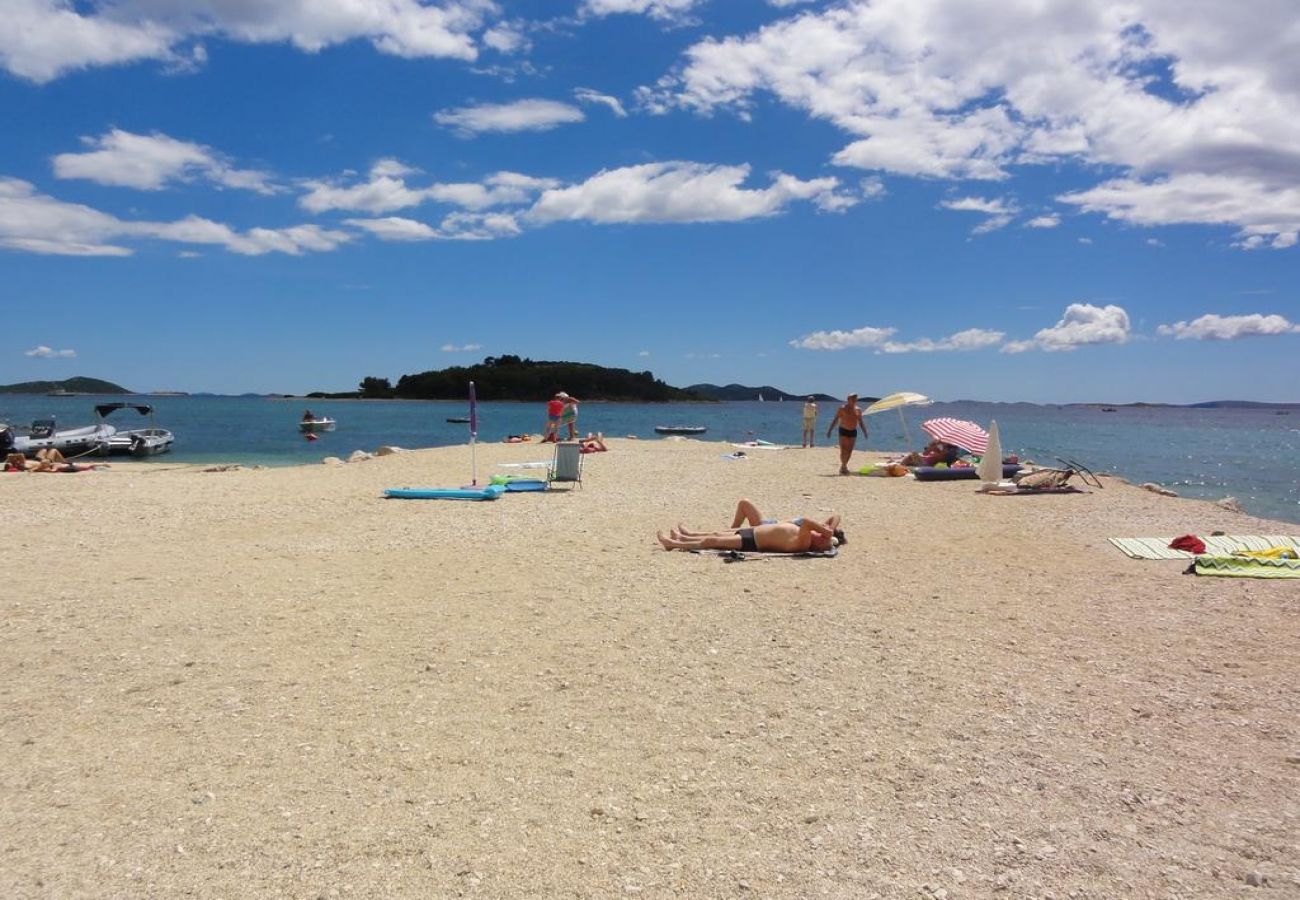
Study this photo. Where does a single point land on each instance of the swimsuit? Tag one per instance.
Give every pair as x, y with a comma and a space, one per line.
848, 432
747, 541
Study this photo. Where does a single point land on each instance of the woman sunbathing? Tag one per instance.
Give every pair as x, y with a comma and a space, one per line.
779, 537
749, 514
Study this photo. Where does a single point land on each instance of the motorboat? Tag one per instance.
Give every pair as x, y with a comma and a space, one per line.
458, 420
680, 429
316, 424
44, 434
138, 442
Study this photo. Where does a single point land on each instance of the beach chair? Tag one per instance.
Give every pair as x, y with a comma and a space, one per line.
566, 465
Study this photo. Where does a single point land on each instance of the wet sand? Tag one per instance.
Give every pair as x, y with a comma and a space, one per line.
259, 683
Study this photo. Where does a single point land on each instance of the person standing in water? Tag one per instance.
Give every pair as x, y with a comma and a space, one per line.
849, 419
809, 421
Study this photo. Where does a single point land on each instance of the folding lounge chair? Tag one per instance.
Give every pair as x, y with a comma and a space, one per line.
566, 466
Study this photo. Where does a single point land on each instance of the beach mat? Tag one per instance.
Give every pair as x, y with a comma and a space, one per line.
1215, 545
753, 555
1246, 567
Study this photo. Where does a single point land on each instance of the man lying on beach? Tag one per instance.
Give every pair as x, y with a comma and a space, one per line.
777, 537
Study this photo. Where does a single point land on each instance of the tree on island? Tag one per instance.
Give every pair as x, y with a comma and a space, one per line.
511, 377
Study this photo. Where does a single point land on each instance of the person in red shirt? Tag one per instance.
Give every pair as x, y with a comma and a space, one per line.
554, 412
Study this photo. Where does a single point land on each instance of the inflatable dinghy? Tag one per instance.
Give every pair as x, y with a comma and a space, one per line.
490, 492
948, 473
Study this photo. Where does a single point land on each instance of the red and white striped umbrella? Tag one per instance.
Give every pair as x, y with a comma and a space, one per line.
959, 432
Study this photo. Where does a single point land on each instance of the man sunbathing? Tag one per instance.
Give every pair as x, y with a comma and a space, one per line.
777, 537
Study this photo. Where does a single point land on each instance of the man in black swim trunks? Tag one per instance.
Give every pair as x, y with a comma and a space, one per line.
849, 419
777, 537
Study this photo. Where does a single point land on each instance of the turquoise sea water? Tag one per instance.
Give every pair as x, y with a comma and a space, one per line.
1207, 453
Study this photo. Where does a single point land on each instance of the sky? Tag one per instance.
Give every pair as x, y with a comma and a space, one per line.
1022, 200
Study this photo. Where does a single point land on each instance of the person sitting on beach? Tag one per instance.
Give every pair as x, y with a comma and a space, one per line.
780, 537
935, 452
592, 443
518, 439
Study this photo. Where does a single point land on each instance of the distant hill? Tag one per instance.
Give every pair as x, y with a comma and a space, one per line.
1208, 404
77, 385
745, 392
513, 378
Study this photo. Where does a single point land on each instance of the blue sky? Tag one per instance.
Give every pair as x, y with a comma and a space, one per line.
1016, 200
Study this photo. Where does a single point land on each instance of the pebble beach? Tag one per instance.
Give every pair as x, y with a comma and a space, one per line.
252, 683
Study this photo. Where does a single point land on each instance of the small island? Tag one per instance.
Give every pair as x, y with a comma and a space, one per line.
69, 387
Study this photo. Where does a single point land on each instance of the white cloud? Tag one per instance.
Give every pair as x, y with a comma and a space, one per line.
387, 191
149, 162
587, 95
1213, 327
463, 348
999, 212
1197, 106
1051, 220
866, 336
643, 353
395, 228
43, 39
521, 115
1081, 325
970, 339
656, 9
680, 192
43, 352
38, 223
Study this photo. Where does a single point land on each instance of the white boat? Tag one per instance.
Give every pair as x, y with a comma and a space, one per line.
134, 441
315, 424
44, 434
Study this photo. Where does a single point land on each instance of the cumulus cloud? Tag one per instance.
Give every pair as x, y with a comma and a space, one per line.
1051, 220
1213, 327
1081, 325
387, 190
37, 223
44, 39
521, 115
1196, 106
462, 348
681, 192
998, 212
43, 352
656, 9
970, 339
866, 336
587, 95
150, 162
395, 228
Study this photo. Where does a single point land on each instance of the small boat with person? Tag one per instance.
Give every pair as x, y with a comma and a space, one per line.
310, 423
680, 429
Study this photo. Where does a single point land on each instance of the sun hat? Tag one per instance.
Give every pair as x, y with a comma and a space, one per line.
562, 394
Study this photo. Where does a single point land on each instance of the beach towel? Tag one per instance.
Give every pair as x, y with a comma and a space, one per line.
753, 555
1246, 567
1215, 545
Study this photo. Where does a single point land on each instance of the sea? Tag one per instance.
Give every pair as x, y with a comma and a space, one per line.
1250, 454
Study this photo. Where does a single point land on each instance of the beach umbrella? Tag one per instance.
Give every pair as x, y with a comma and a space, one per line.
958, 432
473, 433
898, 401
990, 467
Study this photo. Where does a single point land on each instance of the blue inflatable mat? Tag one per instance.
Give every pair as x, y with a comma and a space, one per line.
525, 484
932, 473
490, 492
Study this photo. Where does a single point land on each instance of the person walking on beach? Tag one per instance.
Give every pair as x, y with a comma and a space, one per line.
569, 416
849, 419
809, 421
554, 410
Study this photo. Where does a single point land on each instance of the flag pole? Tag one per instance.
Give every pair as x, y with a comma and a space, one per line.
473, 434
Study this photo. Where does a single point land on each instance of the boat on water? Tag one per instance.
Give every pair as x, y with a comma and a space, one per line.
138, 442
458, 420
44, 434
316, 424
680, 429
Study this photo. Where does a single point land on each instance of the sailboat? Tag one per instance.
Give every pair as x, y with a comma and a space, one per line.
760, 396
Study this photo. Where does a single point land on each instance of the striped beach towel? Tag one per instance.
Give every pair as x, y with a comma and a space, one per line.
1246, 567
1216, 545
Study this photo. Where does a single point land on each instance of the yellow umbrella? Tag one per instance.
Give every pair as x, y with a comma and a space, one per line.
898, 401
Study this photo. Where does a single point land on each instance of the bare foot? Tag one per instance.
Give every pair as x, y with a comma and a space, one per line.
663, 540
844, 471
